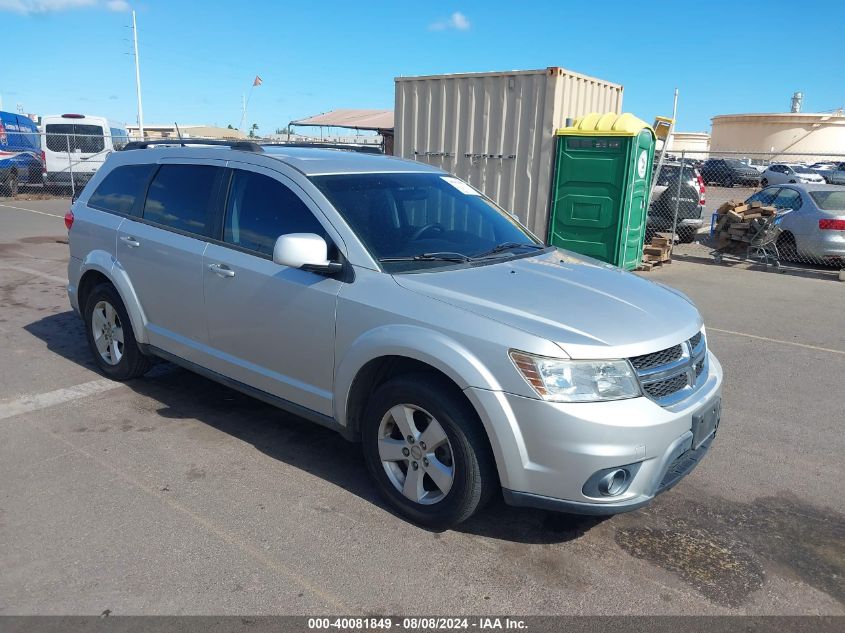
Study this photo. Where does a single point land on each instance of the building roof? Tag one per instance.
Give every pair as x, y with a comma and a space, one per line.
353, 119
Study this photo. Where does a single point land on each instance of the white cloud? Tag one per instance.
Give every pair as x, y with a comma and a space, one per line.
30, 7
457, 21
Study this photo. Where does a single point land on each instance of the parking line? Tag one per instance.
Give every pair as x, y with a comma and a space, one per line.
37, 273
52, 215
26, 404
774, 340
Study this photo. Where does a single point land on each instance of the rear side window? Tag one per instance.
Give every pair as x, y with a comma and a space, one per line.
121, 188
182, 196
787, 199
260, 209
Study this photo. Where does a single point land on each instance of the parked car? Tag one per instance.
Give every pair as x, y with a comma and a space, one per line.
728, 172
21, 158
814, 228
665, 199
76, 145
832, 172
395, 304
779, 173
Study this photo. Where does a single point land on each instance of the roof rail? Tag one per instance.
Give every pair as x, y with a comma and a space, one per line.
244, 146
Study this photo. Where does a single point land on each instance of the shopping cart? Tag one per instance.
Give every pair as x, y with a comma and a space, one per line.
762, 236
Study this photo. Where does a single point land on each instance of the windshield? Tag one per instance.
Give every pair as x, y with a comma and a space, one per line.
800, 169
733, 162
412, 221
832, 200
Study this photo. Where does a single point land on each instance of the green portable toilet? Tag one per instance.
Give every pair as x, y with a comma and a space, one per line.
601, 184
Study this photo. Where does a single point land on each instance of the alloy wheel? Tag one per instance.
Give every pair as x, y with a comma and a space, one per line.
416, 454
108, 332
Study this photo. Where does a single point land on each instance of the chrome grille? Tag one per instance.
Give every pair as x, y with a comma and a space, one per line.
671, 374
655, 359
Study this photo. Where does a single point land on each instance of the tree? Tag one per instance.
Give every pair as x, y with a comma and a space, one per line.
252, 130
230, 127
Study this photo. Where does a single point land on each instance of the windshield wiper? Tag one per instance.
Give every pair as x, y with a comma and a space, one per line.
506, 246
446, 256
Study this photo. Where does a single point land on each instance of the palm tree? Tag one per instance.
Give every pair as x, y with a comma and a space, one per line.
252, 130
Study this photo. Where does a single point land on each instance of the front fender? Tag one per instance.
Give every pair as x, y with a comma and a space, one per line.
104, 263
455, 361
411, 341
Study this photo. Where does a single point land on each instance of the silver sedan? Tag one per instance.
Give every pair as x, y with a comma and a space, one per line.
815, 228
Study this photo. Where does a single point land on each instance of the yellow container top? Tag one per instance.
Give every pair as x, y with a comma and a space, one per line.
608, 124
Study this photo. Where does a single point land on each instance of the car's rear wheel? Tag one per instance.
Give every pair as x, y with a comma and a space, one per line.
787, 249
686, 234
426, 450
110, 336
764, 183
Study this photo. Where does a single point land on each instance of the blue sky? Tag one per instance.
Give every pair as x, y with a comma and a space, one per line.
198, 58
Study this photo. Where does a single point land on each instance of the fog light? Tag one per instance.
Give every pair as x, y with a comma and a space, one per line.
611, 482
614, 482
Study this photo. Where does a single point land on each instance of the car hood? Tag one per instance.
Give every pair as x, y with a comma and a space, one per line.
589, 308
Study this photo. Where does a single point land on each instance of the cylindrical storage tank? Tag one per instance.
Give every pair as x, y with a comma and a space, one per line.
693, 144
496, 130
818, 135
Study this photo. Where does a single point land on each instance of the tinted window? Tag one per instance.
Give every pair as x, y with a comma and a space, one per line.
787, 199
829, 200
766, 196
120, 189
260, 209
87, 139
181, 197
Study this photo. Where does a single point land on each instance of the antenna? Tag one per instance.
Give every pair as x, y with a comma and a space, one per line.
179, 134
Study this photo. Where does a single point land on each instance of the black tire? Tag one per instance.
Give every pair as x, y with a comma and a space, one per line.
133, 363
686, 235
474, 480
9, 186
787, 249
729, 181
764, 183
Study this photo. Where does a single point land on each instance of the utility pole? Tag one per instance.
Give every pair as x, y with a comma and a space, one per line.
138, 79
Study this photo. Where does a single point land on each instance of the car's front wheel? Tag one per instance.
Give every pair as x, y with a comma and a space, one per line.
427, 451
110, 335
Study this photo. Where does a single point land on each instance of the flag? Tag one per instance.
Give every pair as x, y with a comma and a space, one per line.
257, 81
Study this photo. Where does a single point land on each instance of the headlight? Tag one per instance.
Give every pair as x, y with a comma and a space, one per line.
560, 380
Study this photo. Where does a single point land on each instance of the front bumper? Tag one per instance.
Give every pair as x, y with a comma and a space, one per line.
545, 452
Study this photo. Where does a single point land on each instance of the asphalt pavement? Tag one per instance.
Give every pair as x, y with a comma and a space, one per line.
173, 495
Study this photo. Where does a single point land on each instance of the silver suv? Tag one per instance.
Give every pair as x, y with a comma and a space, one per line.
395, 304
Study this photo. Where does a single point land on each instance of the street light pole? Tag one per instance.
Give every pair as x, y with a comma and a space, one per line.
138, 78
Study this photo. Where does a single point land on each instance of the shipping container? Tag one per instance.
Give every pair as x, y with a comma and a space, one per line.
496, 130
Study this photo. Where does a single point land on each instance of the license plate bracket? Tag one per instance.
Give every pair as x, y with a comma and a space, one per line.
705, 422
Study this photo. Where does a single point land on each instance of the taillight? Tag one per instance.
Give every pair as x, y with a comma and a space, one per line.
69, 219
701, 190
832, 224
43, 162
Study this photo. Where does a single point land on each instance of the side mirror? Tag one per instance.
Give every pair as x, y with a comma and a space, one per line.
306, 251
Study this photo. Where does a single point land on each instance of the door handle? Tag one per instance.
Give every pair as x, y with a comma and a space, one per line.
222, 270
130, 241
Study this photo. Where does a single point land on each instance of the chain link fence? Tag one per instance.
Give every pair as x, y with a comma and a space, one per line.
788, 208
778, 210
52, 165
